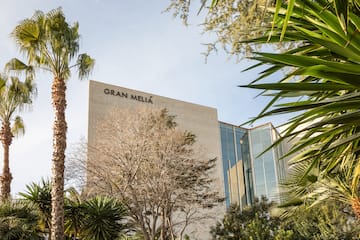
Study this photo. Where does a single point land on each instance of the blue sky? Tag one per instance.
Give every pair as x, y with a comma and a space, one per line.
135, 46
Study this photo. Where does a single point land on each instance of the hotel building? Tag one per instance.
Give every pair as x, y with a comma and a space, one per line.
240, 175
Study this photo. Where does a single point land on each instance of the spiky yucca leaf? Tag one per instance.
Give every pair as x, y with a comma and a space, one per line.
321, 89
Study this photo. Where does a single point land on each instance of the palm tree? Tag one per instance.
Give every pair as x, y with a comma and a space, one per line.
51, 44
19, 221
14, 95
321, 88
95, 218
103, 219
74, 213
38, 195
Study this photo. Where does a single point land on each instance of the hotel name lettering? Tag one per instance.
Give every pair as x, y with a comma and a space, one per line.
139, 98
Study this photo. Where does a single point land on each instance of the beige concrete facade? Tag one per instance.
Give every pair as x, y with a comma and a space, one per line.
201, 120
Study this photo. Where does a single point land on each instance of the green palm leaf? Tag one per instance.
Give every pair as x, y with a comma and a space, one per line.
103, 219
321, 88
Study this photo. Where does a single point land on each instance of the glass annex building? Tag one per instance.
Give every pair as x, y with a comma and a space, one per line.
248, 172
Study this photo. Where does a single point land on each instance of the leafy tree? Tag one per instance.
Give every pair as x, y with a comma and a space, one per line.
143, 159
263, 221
253, 222
14, 95
51, 44
327, 221
231, 21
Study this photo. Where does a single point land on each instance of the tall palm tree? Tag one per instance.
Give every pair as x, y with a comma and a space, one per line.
14, 95
51, 44
321, 88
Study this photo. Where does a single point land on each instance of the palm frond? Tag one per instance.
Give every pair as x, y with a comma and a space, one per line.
18, 127
321, 89
49, 43
85, 65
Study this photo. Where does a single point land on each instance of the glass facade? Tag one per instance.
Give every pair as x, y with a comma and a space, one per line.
236, 165
265, 164
247, 172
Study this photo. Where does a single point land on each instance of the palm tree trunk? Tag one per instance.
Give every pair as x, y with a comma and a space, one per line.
6, 138
58, 160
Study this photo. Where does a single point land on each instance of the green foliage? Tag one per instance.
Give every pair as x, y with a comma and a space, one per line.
19, 221
321, 88
14, 96
253, 222
329, 221
232, 21
96, 218
39, 196
74, 212
102, 219
50, 43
